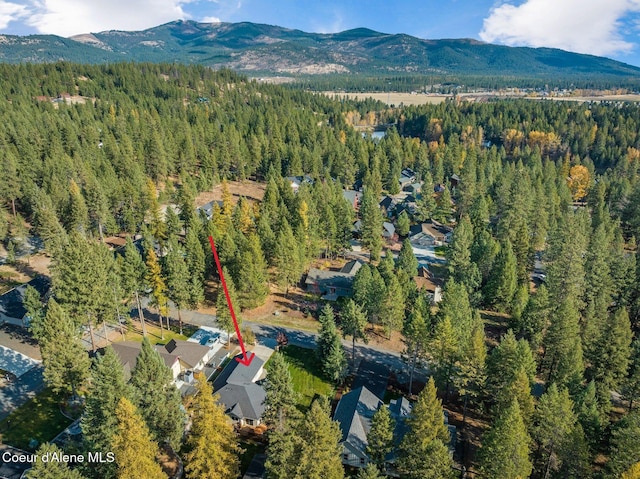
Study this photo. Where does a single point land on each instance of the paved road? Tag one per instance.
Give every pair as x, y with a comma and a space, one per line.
266, 334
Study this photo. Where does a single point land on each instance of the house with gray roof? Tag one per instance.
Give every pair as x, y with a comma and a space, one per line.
354, 414
330, 284
240, 391
12, 308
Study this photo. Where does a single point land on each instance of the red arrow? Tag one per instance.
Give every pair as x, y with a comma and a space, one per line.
246, 360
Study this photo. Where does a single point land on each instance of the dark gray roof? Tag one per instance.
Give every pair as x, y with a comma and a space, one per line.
387, 202
11, 303
243, 401
354, 412
241, 397
326, 279
352, 267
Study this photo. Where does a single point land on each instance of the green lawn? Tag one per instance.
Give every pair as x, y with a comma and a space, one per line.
39, 418
153, 333
440, 251
306, 373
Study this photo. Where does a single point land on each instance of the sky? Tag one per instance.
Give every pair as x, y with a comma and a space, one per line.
608, 28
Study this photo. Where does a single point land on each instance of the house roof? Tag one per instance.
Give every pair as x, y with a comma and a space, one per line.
352, 267
387, 202
327, 278
208, 208
354, 412
239, 393
353, 197
188, 352
12, 302
243, 401
388, 228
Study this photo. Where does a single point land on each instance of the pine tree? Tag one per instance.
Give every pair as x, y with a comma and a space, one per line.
158, 286
503, 282
50, 469
631, 384
196, 265
35, 312
319, 453
471, 369
10, 182
132, 277
353, 323
66, 362
403, 224
445, 350
392, 307
288, 259
212, 445
423, 452
416, 333
535, 317
407, 259
632, 473
380, 437
156, 396
77, 218
625, 447
280, 397
178, 277
99, 420
369, 472
553, 423
281, 452
223, 313
252, 280
330, 352
371, 230
134, 450
505, 448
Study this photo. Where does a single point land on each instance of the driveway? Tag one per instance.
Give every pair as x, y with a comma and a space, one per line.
14, 362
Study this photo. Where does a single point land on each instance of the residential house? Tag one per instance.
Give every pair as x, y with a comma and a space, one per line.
454, 180
297, 181
208, 208
407, 176
430, 233
179, 356
388, 230
12, 308
240, 391
354, 413
332, 284
427, 282
388, 205
413, 188
353, 197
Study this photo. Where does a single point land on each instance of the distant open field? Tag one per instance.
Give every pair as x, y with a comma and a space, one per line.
396, 98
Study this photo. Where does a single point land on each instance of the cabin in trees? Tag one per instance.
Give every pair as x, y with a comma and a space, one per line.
208, 208
407, 177
430, 233
297, 181
332, 285
12, 308
354, 413
388, 230
241, 393
353, 197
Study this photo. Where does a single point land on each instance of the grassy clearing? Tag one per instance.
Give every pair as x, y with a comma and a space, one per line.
39, 418
283, 321
306, 373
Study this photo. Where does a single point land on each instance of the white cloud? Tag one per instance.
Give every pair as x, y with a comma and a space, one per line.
70, 17
10, 12
584, 26
210, 20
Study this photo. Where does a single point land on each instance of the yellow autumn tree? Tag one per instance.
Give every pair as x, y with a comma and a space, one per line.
632, 473
578, 181
212, 444
134, 450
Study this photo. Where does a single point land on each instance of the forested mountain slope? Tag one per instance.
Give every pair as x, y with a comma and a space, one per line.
266, 49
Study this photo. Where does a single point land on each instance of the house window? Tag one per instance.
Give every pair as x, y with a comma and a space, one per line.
362, 461
345, 457
250, 422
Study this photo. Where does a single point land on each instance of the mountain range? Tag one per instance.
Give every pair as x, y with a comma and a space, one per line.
258, 49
